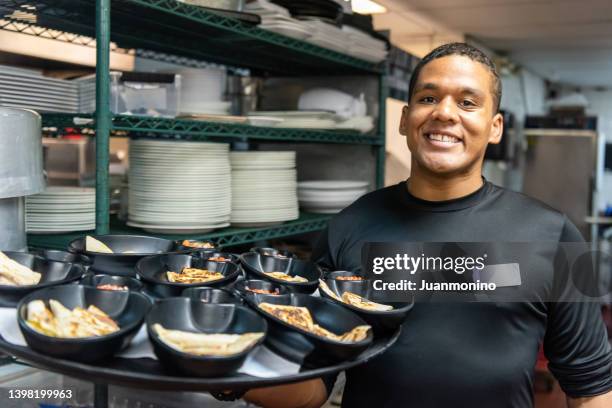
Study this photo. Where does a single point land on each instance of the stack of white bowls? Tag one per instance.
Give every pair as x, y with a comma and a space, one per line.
329, 196
263, 188
202, 91
61, 209
179, 187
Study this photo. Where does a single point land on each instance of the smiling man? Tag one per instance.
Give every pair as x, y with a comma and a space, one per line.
461, 354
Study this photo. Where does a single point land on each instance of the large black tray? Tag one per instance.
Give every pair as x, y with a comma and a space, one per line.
148, 373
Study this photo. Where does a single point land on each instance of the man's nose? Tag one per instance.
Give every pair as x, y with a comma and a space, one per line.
445, 111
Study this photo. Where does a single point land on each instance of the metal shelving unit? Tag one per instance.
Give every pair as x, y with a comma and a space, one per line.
202, 130
178, 31
171, 27
225, 237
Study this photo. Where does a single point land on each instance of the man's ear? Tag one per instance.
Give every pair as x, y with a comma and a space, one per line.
497, 129
403, 127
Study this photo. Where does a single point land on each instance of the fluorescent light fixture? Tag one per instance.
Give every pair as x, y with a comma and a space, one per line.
367, 7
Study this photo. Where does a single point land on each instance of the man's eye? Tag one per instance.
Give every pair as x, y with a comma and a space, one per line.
427, 99
467, 102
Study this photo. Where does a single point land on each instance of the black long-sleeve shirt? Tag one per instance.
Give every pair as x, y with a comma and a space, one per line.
468, 354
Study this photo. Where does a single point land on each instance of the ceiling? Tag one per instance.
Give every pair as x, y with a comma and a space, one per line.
567, 41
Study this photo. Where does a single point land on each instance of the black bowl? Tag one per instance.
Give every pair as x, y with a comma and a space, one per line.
207, 254
152, 272
304, 347
65, 256
241, 287
211, 295
381, 322
279, 253
255, 265
120, 263
127, 309
101, 279
181, 247
361, 287
195, 316
53, 273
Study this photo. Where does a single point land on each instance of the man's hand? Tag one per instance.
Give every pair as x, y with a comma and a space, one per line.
599, 401
307, 394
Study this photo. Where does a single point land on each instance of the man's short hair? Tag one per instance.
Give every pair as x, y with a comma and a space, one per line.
466, 50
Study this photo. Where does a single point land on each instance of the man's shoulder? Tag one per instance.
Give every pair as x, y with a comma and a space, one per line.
516, 201
374, 200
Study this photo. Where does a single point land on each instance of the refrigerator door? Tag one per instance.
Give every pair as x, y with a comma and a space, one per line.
560, 171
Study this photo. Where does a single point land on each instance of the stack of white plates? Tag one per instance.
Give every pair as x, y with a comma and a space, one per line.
329, 196
30, 89
202, 91
87, 93
263, 188
297, 119
61, 209
347, 40
179, 187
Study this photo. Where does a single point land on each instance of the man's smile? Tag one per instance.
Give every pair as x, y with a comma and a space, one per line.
442, 138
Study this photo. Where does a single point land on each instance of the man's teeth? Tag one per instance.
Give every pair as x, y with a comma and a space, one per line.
442, 138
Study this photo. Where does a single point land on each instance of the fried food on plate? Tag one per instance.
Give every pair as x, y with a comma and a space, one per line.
193, 275
300, 317
12, 273
59, 321
353, 299
285, 277
94, 245
202, 344
197, 244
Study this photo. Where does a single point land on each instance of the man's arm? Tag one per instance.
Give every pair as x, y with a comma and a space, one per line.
599, 401
306, 394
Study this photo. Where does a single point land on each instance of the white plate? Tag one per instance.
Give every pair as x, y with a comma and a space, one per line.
264, 121
185, 222
263, 155
332, 184
256, 224
197, 229
51, 211
336, 195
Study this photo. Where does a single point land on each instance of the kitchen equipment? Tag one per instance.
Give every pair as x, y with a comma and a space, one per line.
21, 172
144, 93
548, 175
243, 93
342, 104
202, 91
70, 161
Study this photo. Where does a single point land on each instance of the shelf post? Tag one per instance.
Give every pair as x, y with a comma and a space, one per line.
103, 115
382, 120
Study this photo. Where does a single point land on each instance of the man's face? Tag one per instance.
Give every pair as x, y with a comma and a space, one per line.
451, 118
